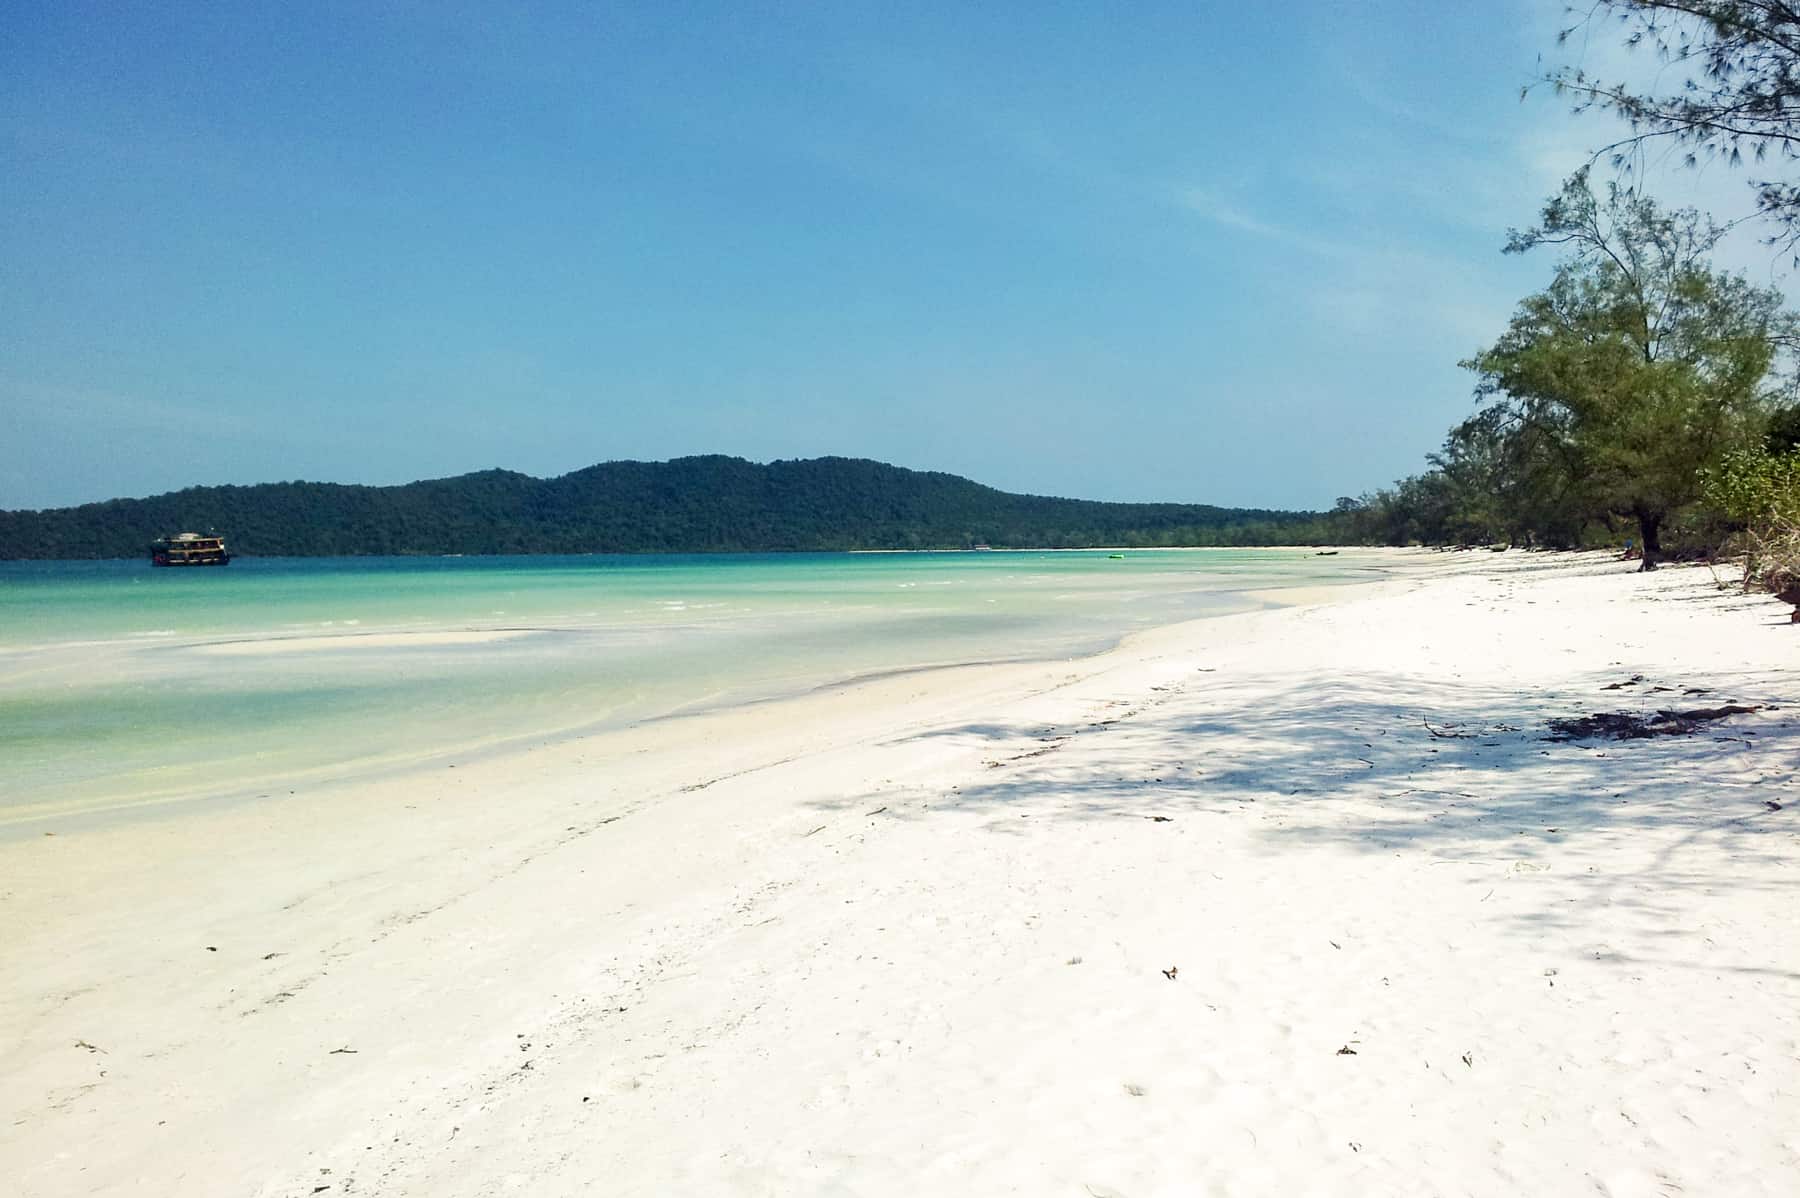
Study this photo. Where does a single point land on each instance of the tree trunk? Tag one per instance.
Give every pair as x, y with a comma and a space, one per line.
1650, 529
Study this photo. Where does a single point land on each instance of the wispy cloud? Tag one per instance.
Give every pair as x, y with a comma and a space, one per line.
1211, 203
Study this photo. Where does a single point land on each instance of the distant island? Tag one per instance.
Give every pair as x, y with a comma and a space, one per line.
711, 504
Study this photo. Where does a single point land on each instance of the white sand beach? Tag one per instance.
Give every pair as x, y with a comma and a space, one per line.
1302, 901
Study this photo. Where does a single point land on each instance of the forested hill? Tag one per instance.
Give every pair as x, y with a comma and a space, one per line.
699, 504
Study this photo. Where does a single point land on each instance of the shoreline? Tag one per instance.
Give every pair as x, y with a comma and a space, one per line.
912, 933
768, 552
16, 822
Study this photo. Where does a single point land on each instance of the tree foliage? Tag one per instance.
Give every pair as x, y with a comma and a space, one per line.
1784, 431
1727, 88
1636, 367
1633, 394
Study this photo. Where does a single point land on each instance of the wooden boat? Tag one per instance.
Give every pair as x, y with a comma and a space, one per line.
189, 549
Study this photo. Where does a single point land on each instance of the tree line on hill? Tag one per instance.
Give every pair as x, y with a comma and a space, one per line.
695, 505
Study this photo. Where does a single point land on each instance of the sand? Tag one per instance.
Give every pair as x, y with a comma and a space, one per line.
1294, 902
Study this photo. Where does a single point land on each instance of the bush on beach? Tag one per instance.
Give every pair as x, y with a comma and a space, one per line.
1759, 491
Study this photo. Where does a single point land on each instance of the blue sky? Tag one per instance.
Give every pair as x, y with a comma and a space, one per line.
1194, 252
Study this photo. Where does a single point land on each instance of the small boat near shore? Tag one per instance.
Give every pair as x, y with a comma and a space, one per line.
189, 549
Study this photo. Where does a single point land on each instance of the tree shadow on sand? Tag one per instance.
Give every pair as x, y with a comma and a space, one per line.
1473, 776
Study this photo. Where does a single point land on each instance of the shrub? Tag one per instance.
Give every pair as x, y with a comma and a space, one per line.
1760, 492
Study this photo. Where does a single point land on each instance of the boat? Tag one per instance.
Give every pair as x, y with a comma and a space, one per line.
189, 549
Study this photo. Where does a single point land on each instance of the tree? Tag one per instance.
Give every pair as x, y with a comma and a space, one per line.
1728, 88
1637, 366
1496, 488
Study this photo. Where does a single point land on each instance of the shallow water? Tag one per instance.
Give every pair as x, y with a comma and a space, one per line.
121, 684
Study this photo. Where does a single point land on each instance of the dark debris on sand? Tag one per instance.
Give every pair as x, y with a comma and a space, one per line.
1626, 725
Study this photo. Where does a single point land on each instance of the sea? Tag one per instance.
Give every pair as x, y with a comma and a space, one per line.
125, 686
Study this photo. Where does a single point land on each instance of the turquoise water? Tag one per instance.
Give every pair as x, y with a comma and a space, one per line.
121, 684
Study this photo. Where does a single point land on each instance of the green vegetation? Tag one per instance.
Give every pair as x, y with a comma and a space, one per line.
1630, 397
1759, 491
699, 504
1639, 366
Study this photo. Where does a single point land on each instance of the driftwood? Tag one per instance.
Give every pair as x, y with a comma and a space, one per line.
1625, 725
1789, 592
